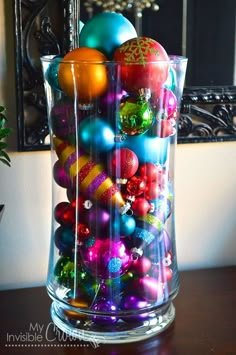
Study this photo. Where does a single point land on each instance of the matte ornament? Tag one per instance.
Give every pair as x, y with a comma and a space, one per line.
92, 179
106, 31
96, 135
106, 258
77, 78
144, 64
123, 163
105, 306
135, 116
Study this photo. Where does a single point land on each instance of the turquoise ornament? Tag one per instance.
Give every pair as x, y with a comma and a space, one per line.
106, 31
171, 80
64, 239
124, 226
52, 73
81, 25
147, 148
96, 135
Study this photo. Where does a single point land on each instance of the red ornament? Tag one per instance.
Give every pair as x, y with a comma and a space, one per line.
81, 231
168, 273
123, 163
145, 64
64, 214
136, 186
140, 206
152, 191
165, 128
150, 171
141, 265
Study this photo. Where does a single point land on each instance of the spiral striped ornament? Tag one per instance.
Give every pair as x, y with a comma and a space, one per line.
92, 179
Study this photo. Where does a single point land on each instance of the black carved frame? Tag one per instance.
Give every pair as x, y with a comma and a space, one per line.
208, 114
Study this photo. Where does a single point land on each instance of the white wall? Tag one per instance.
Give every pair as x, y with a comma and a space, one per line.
205, 197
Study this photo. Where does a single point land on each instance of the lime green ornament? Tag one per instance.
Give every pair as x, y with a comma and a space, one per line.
65, 271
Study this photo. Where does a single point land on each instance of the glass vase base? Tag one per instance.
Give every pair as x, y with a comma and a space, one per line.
120, 332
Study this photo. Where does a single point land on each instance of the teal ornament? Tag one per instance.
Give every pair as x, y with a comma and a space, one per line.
147, 148
106, 31
81, 25
64, 271
124, 225
96, 135
64, 239
171, 80
52, 73
135, 116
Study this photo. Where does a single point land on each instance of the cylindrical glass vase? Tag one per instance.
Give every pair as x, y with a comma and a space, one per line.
113, 266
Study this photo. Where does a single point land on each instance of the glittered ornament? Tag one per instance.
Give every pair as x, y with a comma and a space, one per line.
161, 207
136, 186
104, 306
150, 289
106, 31
82, 74
106, 258
64, 271
148, 148
135, 116
64, 238
134, 303
123, 163
159, 247
92, 178
60, 176
144, 64
96, 135
52, 73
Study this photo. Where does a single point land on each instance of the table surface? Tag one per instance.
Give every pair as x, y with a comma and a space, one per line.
204, 323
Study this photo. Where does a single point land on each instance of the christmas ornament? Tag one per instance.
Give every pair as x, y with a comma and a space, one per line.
166, 103
96, 135
161, 207
170, 83
105, 306
152, 190
164, 128
123, 225
106, 258
64, 214
123, 163
106, 31
52, 73
140, 206
82, 74
144, 64
92, 179
64, 238
60, 176
82, 232
150, 172
64, 271
148, 148
97, 218
134, 303
136, 186
79, 303
159, 247
141, 266
150, 289
135, 116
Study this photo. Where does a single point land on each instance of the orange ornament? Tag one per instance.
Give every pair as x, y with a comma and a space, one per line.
82, 72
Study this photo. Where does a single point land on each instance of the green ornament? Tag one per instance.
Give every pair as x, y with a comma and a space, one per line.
64, 271
135, 116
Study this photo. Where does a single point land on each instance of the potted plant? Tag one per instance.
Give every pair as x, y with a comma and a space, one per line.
4, 133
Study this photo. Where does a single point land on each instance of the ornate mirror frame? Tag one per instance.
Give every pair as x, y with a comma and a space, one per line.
208, 114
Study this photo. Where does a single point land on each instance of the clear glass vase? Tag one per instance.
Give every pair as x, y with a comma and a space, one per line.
113, 266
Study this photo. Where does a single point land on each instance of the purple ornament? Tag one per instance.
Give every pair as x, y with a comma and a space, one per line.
158, 249
97, 218
60, 176
134, 303
104, 306
150, 289
106, 258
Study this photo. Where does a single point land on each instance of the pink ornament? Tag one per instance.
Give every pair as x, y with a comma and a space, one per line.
106, 258
140, 206
123, 163
141, 265
150, 289
166, 102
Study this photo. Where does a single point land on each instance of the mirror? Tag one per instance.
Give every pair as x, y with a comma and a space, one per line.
203, 31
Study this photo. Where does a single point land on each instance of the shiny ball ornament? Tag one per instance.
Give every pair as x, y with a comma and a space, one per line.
106, 258
141, 266
123, 163
64, 271
97, 218
140, 206
152, 191
165, 128
105, 306
124, 225
64, 238
136, 186
60, 176
159, 247
150, 289
148, 148
106, 31
144, 64
52, 73
64, 214
135, 116
150, 172
96, 135
83, 74
93, 181
134, 303
166, 103
82, 232
171, 81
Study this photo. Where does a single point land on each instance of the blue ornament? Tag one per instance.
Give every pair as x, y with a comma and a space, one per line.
147, 148
96, 135
124, 225
64, 238
106, 31
52, 73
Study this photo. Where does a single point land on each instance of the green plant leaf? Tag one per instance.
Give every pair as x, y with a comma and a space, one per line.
4, 161
5, 155
4, 132
3, 145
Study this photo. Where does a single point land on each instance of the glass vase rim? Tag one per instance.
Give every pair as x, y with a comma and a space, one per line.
173, 59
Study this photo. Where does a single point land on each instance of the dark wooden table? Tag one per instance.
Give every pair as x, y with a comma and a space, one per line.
204, 324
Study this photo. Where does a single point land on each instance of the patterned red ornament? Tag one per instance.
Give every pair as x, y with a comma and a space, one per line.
136, 186
123, 163
145, 64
